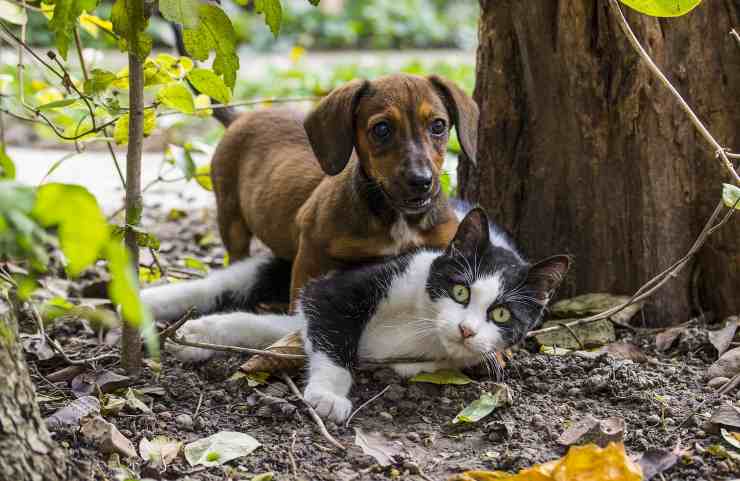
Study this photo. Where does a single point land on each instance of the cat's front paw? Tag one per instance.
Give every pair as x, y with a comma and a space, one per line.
328, 405
196, 330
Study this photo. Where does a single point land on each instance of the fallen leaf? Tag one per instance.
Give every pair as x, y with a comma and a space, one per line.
485, 405
264, 477
555, 351
664, 340
726, 415
595, 303
220, 448
112, 405
108, 381
591, 430
36, 344
445, 376
618, 350
65, 374
253, 379
721, 338
290, 344
106, 437
732, 438
727, 365
582, 463
152, 390
377, 446
655, 461
160, 451
591, 334
71, 414
134, 403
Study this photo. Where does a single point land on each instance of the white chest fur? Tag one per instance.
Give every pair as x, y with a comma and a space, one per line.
404, 236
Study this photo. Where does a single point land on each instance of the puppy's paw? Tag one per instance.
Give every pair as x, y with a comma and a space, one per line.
328, 405
197, 330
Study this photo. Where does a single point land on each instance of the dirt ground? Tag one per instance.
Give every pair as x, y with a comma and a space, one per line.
664, 401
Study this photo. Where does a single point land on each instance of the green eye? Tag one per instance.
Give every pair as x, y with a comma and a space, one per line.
460, 293
499, 315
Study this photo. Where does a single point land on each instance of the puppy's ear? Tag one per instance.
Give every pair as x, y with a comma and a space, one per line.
331, 126
464, 114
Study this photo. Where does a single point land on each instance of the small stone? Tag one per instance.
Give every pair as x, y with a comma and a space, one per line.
184, 421
395, 393
653, 419
106, 437
574, 392
413, 437
218, 395
386, 415
727, 365
717, 382
166, 415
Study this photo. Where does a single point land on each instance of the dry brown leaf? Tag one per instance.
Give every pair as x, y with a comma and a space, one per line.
106, 437
71, 414
721, 338
664, 340
582, 463
656, 461
592, 430
290, 344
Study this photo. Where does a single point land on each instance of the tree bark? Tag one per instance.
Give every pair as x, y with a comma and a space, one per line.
131, 339
27, 452
583, 151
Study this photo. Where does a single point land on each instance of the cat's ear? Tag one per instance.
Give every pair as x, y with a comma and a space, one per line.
546, 275
472, 234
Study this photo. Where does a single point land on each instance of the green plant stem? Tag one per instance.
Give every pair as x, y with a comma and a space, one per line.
131, 341
78, 45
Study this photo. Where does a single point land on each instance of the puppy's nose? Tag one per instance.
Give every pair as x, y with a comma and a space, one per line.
466, 332
420, 181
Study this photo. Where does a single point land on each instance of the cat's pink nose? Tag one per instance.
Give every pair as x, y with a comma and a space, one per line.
466, 332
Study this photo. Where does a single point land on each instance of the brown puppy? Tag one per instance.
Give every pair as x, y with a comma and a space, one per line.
356, 180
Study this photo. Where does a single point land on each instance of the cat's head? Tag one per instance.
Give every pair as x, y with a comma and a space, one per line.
486, 297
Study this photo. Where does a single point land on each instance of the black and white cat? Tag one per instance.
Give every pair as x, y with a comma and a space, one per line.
449, 309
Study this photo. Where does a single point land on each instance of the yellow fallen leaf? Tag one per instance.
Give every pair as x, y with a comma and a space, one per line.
582, 463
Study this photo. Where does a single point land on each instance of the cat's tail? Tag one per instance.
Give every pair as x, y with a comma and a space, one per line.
241, 286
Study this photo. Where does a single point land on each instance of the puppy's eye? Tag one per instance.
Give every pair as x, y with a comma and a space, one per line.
460, 293
382, 130
438, 127
499, 315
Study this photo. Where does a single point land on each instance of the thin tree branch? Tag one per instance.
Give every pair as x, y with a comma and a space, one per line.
312, 412
78, 45
718, 149
245, 103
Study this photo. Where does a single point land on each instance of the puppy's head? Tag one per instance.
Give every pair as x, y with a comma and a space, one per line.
399, 127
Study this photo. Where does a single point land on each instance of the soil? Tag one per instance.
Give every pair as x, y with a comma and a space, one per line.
664, 402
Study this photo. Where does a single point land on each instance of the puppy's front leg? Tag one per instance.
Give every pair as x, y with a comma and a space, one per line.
306, 266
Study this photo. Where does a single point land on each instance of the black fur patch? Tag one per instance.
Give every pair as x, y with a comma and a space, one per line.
272, 286
338, 307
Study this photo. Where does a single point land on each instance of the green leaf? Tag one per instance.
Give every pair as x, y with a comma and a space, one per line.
99, 81
56, 104
662, 8
13, 13
731, 195
123, 291
177, 96
130, 20
485, 405
7, 167
184, 12
83, 230
203, 177
120, 131
273, 11
444, 376
207, 82
214, 32
193, 263
64, 21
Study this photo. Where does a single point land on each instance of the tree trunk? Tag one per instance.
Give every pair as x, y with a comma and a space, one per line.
581, 150
131, 339
27, 452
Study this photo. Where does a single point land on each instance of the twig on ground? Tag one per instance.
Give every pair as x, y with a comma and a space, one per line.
349, 419
291, 456
172, 328
241, 350
197, 408
78, 362
730, 385
312, 412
